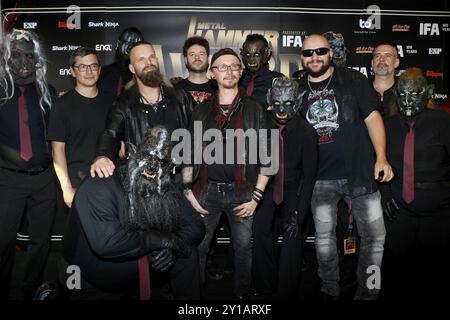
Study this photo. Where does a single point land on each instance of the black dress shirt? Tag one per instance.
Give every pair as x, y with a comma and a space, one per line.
431, 161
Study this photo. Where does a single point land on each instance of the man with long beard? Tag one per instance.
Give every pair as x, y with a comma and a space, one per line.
340, 105
151, 102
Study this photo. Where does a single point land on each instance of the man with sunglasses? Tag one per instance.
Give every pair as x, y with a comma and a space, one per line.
214, 188
76, 120
340, 104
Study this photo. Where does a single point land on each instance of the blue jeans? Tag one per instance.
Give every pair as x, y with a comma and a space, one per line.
221, 199
368, 213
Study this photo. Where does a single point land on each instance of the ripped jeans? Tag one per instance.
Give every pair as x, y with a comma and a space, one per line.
367, 211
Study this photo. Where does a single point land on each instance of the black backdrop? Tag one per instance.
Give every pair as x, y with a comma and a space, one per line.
421, 31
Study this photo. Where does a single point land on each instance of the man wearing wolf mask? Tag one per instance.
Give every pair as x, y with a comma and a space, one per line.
119, 222
289, 191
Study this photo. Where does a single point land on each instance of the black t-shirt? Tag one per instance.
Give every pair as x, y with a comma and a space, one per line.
224, 172
77, 121
322, 114
199, 92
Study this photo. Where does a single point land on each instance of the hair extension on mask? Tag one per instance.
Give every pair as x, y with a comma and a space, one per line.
41, 63
153, 199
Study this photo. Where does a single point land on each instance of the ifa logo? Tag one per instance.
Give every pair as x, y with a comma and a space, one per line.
292, 41
431, 29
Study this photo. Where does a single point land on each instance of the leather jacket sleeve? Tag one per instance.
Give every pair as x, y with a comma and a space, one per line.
108, 142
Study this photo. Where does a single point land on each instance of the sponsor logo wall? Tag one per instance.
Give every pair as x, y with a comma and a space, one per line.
422, 37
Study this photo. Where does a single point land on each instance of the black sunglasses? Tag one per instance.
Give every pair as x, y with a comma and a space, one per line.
318, 51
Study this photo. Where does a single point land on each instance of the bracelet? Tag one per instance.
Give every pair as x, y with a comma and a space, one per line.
256, 196
258, 191
257, 200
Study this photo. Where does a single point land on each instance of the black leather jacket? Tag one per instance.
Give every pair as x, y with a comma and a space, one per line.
129, 120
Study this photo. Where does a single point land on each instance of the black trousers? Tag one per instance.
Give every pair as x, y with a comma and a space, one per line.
35, 195
184, 279
270, 275
416, 260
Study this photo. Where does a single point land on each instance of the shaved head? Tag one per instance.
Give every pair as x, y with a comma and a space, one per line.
316, 56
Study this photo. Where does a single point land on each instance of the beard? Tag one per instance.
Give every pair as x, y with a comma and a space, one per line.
317, 73
150, 78
194, 69
381, 69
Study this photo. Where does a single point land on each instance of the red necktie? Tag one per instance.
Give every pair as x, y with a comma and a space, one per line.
119, 86
279, 178
26, 151
250, 86
144, 279
408, 165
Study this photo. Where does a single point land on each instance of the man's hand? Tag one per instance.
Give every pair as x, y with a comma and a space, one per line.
177, 244
162, 259
246, 209
103, 167
291, 228
383, 171
390, 208
194, 203
68, 194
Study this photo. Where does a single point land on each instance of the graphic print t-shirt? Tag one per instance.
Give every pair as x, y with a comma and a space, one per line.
323, 114
200, 92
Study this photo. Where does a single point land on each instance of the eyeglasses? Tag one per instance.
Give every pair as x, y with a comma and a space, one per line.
318, 51
84, 67
224, 67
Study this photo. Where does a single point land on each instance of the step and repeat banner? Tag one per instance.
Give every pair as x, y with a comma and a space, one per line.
422, 34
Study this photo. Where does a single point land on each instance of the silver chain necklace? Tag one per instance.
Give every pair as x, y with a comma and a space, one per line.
320, 92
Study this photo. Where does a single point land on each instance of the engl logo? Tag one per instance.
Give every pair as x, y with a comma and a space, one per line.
434, 74
434, 50
374, 20
29, 25
103, 47
431, 29
401, 27
64, 72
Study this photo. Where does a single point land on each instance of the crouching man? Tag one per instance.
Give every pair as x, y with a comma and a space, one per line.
122, 225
